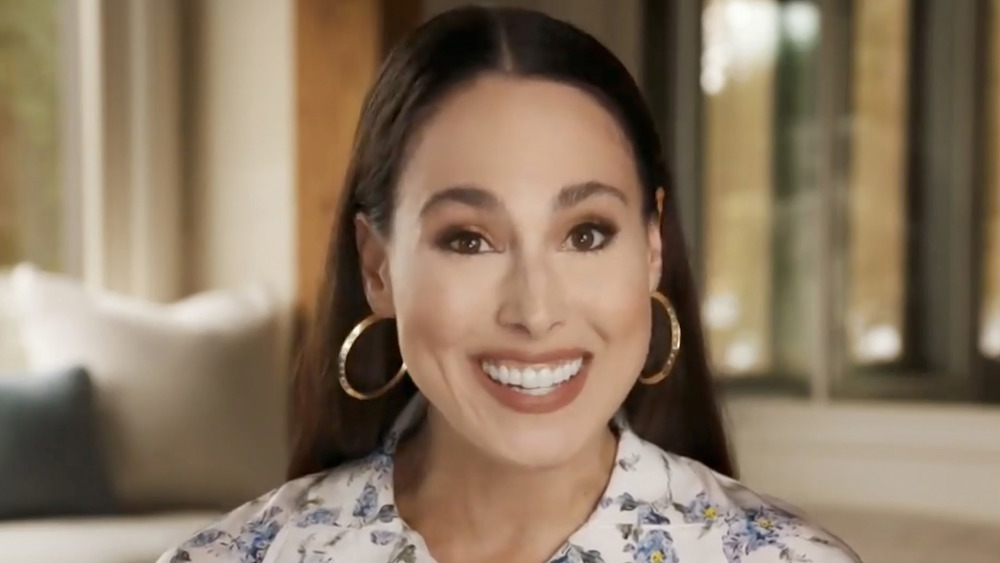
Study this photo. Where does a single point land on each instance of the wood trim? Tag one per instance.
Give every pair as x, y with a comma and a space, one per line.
338, 47
336, 53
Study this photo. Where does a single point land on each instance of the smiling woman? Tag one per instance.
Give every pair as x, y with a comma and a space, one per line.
508, 211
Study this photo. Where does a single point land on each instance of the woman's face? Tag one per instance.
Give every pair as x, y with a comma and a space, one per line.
520, 268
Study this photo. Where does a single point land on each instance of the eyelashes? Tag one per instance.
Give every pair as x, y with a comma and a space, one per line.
463, 241
588, 236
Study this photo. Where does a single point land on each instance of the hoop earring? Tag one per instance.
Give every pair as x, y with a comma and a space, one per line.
345, 350
675, 342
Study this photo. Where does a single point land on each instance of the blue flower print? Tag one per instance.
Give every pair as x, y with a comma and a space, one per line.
629, 462
310, 556
251, 543
753, 529
206, 537
646, 512
376, 468
367, 509
319, 517
702, 511
254, 537
652, 514
380, 463
406, 553
575, 554
365, 504
348, 515
385, 537
655, 546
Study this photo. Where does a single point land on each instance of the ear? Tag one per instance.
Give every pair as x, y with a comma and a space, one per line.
655, 243
373, 254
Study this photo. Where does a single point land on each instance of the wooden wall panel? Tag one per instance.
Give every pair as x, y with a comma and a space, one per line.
339, 44
337, 50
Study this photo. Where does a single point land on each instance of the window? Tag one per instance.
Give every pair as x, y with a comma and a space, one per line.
990, 330
759, 101
846, 208
33, 205
876, 218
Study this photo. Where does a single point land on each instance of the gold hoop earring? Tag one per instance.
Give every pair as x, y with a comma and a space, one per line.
675, 341
345, 350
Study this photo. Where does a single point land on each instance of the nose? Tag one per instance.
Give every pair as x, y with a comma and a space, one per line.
531, 301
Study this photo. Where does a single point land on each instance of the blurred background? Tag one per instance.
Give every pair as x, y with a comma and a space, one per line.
169, 170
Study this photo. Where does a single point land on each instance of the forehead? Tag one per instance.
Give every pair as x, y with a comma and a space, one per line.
515, 135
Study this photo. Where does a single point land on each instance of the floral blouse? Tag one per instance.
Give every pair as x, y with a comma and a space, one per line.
658, 508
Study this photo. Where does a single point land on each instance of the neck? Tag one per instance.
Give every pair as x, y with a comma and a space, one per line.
444, 483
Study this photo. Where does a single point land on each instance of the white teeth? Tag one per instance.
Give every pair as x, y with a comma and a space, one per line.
530, 379
535, 380
545, 378
513, 376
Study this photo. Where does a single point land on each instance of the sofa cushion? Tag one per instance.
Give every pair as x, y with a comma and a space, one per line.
136, 539
11, 352
190, 394
51, 463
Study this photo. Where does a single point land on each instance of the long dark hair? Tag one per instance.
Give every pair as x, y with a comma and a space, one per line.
329, 428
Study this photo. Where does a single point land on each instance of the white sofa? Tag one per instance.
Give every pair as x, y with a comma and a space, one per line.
189, 399
118, 539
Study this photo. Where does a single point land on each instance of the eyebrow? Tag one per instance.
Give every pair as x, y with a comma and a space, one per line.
477, 197
573, 194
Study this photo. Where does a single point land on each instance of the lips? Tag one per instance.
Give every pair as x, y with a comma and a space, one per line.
533, 378
534, 383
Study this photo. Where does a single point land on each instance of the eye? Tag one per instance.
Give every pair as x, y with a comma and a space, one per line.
465, 242
589, 237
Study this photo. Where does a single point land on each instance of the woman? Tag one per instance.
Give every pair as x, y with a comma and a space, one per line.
508, 212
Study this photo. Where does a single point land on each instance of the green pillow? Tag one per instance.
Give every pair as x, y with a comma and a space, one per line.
51, 462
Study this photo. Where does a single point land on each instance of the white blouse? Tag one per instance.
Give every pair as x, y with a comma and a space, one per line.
658, 508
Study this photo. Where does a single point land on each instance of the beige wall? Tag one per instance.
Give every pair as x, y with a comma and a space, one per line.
239, 144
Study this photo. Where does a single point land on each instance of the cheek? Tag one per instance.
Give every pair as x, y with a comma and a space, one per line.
621, 313
439, 303
614, 299
614, 285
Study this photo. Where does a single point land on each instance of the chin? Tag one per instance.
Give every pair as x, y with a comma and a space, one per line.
540, 445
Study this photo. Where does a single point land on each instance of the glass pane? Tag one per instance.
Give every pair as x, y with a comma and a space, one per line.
758, 78
31, 207
990, 333
876, 208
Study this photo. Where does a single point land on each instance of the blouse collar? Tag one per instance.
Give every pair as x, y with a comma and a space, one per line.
641, 489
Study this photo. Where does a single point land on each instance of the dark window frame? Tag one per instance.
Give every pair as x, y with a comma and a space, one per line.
948, 69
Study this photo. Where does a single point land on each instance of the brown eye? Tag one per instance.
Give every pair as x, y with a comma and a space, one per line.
589, 237
467, 242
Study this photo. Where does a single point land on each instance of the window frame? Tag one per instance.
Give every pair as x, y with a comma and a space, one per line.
988, 369
121, 145
947, 70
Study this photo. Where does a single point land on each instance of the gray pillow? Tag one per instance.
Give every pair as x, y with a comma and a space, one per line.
50, 457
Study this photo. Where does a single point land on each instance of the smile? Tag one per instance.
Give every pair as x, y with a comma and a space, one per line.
534, 379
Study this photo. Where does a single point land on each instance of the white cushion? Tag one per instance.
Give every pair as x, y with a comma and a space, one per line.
191, 394
11, 352
136, 539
